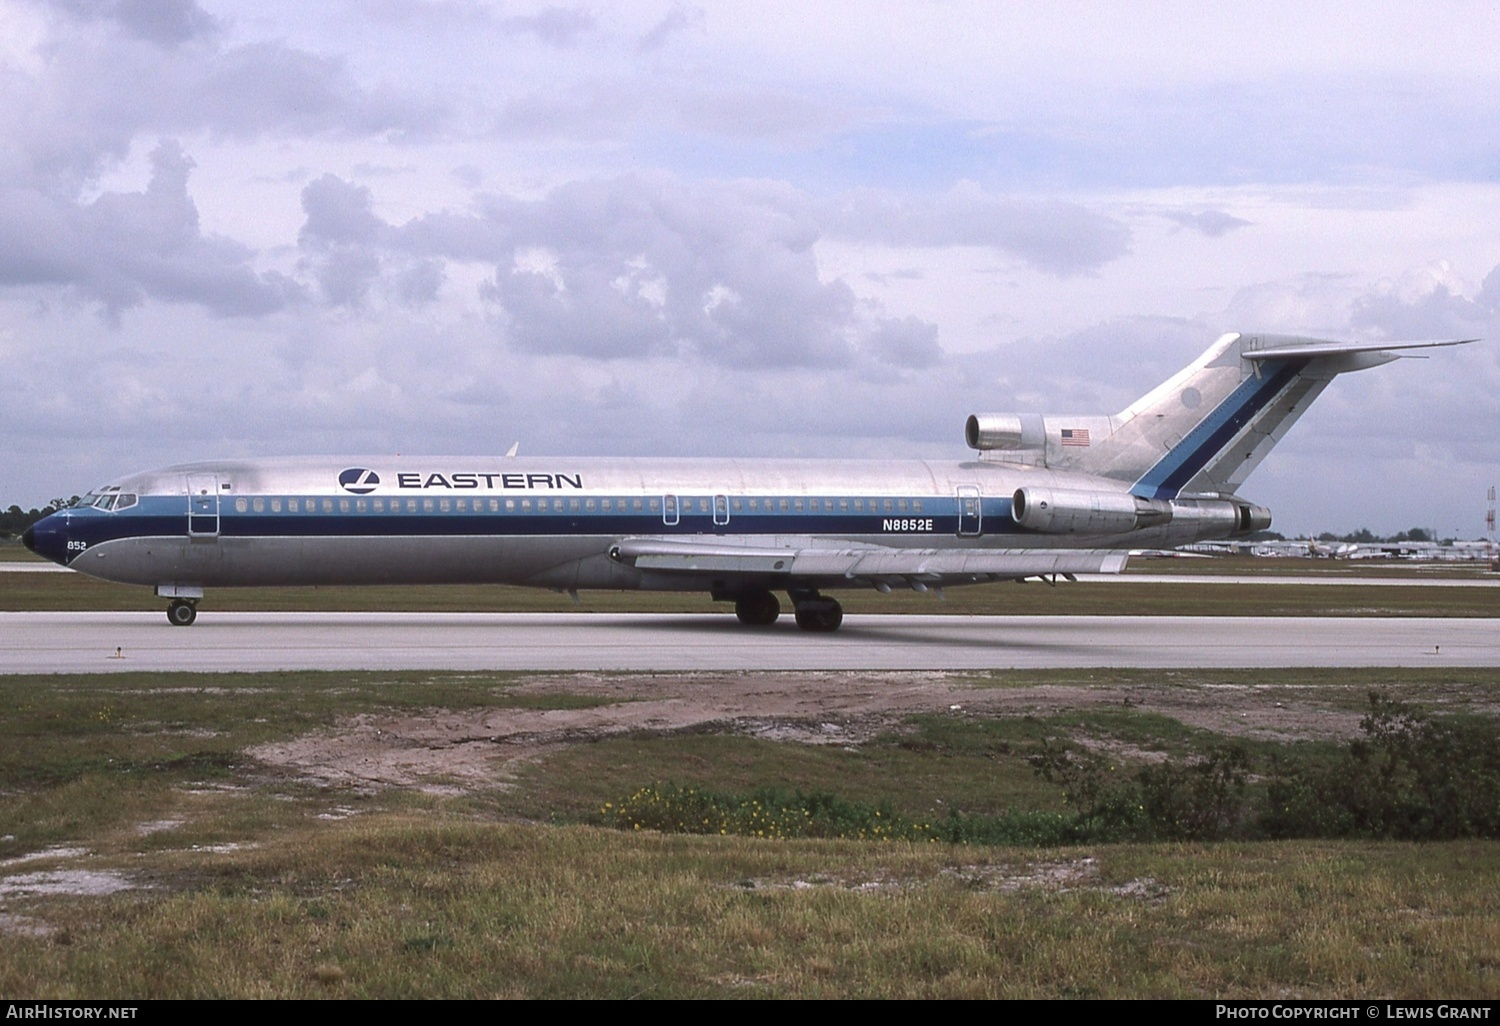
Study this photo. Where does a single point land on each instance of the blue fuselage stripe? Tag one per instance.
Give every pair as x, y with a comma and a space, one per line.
167, 516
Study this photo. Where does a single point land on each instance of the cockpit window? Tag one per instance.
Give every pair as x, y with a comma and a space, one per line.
108, 499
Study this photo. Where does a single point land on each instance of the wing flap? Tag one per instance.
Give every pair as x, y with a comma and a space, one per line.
809, 559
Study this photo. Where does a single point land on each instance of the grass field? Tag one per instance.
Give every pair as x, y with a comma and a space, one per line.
152, 846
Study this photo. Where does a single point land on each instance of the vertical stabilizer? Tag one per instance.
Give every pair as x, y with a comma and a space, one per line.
1207, 427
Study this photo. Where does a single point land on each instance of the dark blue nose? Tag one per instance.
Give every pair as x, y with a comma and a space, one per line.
48, 538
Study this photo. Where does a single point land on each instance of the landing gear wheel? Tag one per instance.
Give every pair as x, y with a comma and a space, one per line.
181, 614
757, 608
820, 614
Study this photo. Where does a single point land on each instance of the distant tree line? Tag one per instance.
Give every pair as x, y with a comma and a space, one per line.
1363, 536
15, 520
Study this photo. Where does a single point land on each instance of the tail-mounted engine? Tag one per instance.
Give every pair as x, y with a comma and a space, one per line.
1063, 511
1067, 511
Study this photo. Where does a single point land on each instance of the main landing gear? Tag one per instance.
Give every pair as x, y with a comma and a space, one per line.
757, 608
814, 612
818, 612
182, 613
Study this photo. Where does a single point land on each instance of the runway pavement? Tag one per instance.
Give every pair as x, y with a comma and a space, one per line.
105, 642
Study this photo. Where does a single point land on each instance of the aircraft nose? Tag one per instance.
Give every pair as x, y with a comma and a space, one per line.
48, 539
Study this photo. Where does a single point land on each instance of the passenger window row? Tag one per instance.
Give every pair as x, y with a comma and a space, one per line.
636, 504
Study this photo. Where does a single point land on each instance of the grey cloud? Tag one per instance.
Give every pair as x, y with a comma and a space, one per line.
338, 212
559, 27
1212, 223
66, 118
648, 265
125, 247
1435, 313
907, 342
634, 267
678, 19
1054, 236
345, 246
164, 22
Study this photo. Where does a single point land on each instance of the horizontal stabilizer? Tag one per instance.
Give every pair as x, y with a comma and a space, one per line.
1314, 348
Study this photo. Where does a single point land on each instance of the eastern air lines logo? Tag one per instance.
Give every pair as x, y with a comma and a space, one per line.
359, 481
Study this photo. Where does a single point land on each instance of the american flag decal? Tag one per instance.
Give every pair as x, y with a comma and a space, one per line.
1075, 436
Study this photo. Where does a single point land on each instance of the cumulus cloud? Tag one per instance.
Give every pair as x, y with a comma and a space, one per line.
124, 248
99, 77
633, 267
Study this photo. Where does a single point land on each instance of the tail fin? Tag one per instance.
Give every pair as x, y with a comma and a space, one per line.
1208, 426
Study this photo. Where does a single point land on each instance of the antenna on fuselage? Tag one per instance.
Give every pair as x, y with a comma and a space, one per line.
515, 447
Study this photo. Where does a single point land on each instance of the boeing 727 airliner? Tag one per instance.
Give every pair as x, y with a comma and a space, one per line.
1045, 495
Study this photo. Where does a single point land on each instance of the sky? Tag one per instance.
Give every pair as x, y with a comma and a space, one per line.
739, 229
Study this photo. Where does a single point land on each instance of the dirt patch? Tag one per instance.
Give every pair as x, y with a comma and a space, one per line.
453, 752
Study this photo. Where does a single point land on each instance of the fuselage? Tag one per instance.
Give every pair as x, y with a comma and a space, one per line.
548, 522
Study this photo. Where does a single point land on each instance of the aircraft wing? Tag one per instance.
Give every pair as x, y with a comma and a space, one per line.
814, 557
1315, 348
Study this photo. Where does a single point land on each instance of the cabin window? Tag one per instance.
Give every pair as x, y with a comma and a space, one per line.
916, 505
636, 504
606, 505
276, 505
588, 504
797, 505
428, 505
241, 505
343, 505
525, 505
463, 505
572, 504
890, 506
379, 505
655, 505
445, 505
843, 505
361, 506
510, 504
901, 505
258, 505
859, 505
494, 505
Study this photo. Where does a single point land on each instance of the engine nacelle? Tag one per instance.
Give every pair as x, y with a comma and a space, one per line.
1065, 511
990, 431
1251, 518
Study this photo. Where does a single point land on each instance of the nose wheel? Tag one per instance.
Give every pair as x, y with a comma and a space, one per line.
182, 613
